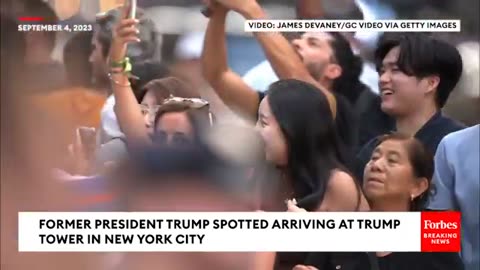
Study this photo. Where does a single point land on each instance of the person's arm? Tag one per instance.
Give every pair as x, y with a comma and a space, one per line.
443, 181
264, 261
128, 112
281, 55
228, 85
309, 9
344, 195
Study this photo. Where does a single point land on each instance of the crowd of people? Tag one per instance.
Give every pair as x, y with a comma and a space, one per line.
112, 129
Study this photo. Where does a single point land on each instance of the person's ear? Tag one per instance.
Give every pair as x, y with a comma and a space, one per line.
333, 71
419, 188
432, 83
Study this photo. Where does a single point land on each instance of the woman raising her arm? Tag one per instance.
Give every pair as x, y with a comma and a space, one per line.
175, 120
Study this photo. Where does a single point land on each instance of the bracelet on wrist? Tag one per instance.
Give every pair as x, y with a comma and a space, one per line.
119, 63
125, 65
128, 84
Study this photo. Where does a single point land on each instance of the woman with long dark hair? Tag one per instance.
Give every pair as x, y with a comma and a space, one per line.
301, 141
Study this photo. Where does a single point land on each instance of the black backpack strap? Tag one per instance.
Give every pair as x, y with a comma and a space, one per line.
372, 258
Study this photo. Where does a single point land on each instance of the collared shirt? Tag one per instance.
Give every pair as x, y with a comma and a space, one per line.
429, 134
457, 185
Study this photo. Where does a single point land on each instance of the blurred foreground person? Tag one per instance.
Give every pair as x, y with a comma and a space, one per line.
79, 103
28, 139
39, 49
397, 178
190, 178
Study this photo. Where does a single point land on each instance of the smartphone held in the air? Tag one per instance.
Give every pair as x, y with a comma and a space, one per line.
131, 5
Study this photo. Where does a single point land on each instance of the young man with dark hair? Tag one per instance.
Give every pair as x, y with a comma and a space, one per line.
417, 74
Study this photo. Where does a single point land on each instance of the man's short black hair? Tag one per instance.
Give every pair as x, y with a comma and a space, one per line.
43, 10
422, 55
139, 52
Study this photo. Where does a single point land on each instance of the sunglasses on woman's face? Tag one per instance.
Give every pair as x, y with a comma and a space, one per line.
194, 103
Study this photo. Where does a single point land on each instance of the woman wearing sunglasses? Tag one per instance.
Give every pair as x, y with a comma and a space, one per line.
174, 120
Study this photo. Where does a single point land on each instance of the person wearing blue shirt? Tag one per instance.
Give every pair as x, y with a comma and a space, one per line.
457, 183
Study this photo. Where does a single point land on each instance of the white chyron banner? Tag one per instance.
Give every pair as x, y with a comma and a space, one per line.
225, 232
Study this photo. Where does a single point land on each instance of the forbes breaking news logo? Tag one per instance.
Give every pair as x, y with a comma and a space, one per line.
441, 231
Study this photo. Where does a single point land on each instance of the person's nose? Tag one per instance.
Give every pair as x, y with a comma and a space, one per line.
258, 128
297, 44
384, 79
148, 120
91, 57
169, 140
376, 165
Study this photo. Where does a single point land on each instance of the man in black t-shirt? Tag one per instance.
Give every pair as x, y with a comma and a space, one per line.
417, 74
